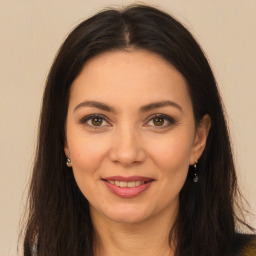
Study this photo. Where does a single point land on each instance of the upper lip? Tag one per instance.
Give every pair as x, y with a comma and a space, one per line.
127, 179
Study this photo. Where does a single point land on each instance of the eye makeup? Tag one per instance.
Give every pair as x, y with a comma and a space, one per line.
96, 121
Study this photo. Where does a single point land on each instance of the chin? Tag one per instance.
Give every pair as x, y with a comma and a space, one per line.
125, 219
127, 214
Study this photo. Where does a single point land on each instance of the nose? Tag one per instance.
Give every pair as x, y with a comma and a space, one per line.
126, 148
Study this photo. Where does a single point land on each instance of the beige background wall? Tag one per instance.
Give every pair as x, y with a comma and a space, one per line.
30, 34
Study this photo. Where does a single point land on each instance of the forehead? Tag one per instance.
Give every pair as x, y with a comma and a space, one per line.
129, 76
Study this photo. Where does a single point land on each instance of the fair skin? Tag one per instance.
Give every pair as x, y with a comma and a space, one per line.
127, 141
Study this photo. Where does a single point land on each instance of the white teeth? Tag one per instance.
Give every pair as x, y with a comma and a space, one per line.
124, 184
137, 183
131, 184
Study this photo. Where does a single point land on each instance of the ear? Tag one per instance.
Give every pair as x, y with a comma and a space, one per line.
66, 149
200, 138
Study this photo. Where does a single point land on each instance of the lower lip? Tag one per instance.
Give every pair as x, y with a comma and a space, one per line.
128, 192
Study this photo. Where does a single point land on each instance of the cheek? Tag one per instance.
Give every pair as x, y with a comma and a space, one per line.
172, 157
172, 153
86, 152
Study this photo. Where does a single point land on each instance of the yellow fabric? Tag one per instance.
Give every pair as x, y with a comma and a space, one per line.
249, 249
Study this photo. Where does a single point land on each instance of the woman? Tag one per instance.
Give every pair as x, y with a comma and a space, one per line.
133, 156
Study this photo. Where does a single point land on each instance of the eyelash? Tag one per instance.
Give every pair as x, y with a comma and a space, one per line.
85, 119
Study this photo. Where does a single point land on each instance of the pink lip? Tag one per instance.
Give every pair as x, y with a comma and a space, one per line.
128, 192
127, 179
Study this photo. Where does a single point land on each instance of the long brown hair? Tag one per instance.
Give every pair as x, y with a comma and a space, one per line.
59, 222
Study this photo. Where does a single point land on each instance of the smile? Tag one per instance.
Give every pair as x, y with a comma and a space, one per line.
127, 187
125, 184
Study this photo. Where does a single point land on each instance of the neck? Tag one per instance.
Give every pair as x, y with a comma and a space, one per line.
150, 237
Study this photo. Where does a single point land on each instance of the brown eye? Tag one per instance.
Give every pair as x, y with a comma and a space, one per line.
161, 121
94, 121
97, 121
158, 121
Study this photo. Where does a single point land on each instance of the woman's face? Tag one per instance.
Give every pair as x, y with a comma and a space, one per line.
131, 135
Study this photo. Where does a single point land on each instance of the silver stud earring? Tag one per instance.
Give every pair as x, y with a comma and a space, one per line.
68, 162
195, 178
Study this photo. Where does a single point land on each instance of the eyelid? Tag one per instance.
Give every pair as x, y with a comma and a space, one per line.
170, 119
87, 118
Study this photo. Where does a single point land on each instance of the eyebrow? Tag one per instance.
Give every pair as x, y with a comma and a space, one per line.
146, 108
